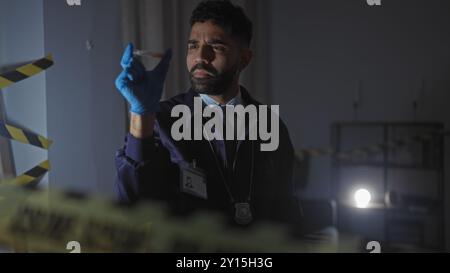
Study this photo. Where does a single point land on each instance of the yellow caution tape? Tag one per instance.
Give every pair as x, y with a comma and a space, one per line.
365, 150
24, 136
26, 71
31, 176
42, 221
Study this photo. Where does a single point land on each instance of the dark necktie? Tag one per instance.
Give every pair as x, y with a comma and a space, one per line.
230, 145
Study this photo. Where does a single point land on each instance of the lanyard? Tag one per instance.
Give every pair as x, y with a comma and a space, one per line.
243, 212
224, 180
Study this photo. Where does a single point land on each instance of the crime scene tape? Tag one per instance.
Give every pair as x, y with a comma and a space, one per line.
26, 71
45, 221
363, 151
24, 136
30, 176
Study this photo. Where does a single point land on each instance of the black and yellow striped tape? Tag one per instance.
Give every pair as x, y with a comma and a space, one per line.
21, 135
26, 71
24, 136
366, 150
31, 175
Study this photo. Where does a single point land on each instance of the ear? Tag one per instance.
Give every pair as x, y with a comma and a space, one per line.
246, 57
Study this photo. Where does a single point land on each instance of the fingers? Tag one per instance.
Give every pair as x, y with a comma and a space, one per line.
127, 56
164, 64
135, 70
122, 80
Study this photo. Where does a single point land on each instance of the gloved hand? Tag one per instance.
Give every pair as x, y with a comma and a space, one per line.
142, 89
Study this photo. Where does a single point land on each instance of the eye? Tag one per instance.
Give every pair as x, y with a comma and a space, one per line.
219, 48
192, 46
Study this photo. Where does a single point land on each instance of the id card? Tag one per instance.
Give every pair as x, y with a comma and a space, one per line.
193, 181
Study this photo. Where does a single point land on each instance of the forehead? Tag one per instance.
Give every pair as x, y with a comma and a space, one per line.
208, 30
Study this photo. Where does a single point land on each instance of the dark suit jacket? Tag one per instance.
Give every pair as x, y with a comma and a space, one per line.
150, 169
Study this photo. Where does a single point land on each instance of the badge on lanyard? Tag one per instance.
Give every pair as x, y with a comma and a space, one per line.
243, 213
193, 181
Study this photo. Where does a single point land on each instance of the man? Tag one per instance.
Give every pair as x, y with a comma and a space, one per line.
232, 177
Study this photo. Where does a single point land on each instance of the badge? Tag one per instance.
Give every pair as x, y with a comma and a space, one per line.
193, 181
243, 214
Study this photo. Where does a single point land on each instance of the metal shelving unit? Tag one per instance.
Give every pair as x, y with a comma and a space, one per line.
405, 175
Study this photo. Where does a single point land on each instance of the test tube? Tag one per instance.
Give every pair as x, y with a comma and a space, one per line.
147, 53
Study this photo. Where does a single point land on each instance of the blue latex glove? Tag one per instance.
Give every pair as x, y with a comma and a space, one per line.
142, 89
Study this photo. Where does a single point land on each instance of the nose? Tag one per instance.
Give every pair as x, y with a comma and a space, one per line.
205, 54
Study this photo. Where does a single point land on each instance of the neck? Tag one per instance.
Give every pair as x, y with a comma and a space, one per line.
227, 95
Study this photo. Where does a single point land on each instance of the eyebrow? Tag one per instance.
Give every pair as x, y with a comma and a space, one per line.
216, 41
210, 41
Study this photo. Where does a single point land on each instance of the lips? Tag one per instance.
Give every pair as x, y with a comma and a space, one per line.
202, 74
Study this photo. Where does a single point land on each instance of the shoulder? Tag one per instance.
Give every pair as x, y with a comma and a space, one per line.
273, 111
185, 98
166, 106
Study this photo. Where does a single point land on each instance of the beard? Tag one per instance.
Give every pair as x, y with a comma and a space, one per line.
218, 84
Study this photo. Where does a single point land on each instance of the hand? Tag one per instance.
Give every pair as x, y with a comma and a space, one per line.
142, 89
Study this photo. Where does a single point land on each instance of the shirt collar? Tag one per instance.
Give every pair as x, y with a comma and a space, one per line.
237, 100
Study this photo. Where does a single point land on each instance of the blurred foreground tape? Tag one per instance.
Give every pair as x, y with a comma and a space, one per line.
41, 221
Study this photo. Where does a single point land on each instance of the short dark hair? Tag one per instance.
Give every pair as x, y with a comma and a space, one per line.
226, 15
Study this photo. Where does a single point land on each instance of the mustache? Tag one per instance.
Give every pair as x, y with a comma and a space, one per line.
209, 69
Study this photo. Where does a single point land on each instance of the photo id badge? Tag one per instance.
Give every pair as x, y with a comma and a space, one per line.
193, 181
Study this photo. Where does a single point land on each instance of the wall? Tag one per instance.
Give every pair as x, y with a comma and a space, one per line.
85, 112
